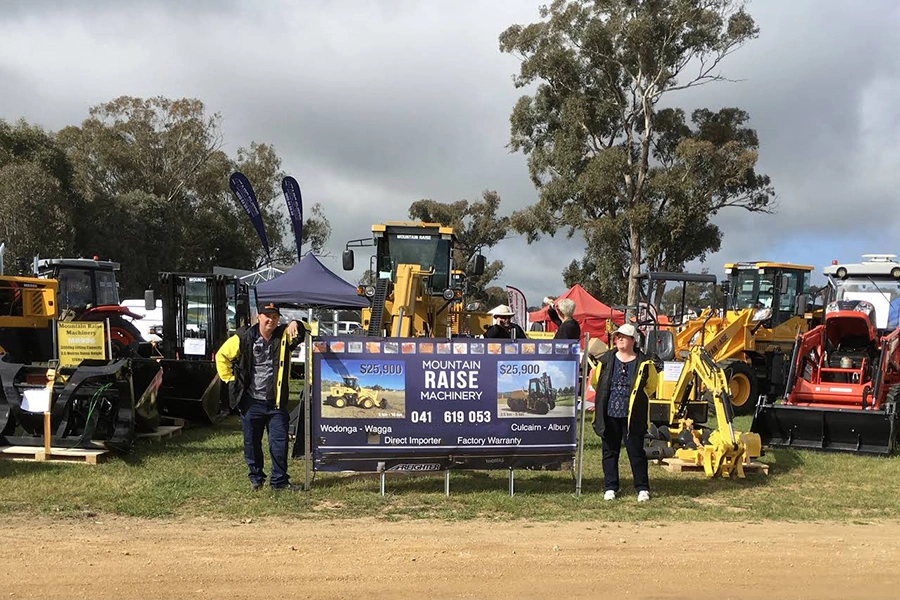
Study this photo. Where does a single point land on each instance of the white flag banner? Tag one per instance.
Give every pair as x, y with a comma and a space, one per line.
518, 305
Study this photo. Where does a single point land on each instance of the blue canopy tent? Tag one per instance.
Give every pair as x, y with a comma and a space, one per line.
310, 284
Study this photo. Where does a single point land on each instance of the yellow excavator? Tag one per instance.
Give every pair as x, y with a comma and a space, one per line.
691, 382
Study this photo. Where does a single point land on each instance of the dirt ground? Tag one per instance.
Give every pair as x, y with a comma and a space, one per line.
123, 558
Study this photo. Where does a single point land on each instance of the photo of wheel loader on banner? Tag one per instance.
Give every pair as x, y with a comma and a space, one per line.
368, 389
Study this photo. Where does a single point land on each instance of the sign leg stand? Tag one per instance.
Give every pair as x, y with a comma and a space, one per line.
383, 481
512, 483
446, 482
307, 412
47, 434
579, 458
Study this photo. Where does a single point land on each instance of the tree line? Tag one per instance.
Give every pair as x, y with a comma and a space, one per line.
145, 181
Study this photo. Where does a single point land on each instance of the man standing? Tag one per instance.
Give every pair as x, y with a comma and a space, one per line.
256, 364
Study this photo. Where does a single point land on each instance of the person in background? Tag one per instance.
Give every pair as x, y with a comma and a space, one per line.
255, 363
503, 327
624, 380
567, 327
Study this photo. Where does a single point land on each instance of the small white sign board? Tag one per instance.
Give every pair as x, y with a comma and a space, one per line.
672, 370
36, 400
195, 346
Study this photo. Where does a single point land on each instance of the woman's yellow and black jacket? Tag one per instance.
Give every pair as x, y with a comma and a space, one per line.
643, 386
234, 363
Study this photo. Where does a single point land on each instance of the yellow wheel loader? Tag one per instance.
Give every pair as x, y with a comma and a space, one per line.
752, 337
349, 393
417, 293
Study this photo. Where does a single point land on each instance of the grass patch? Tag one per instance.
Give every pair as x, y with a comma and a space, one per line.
201, 473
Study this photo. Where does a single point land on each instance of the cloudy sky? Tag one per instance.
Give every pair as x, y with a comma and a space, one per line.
375, 104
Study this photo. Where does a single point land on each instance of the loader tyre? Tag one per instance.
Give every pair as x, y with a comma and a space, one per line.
368, 403
339, 402
744, 388
541, 407
516, 404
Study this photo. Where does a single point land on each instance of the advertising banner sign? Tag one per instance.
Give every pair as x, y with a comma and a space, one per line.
432, 404
79, 341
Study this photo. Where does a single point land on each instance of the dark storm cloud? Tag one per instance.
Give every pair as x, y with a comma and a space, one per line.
373, 105
810, 83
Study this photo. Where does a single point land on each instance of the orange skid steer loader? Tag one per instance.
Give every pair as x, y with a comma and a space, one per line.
844, 378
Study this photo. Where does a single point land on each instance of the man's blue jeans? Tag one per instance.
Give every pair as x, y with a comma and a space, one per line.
259, 417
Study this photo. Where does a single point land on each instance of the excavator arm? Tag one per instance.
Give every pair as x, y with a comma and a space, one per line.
723, 451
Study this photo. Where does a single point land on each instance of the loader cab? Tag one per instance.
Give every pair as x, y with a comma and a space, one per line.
427, 245
675, 292
415, 291
351, 382
780, 287
83, 282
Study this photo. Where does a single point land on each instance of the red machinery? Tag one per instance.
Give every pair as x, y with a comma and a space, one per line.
844, 379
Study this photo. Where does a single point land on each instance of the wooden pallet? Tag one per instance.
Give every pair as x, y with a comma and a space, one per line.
71, 455
161, 432
676, 465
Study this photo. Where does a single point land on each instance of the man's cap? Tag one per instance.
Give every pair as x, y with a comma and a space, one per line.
502, 311
268, 307
628, 330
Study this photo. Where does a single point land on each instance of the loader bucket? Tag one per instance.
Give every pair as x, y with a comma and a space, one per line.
829, 429
146, 379
90, 406
190, 390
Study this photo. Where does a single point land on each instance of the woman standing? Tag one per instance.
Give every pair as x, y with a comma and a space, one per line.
567, 327
625, 378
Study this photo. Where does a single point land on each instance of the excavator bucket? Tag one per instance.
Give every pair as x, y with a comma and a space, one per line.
828, 429
191, 390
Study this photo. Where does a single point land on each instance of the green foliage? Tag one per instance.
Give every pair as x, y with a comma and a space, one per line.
37, 202
477, 228
155, 186
638, 183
